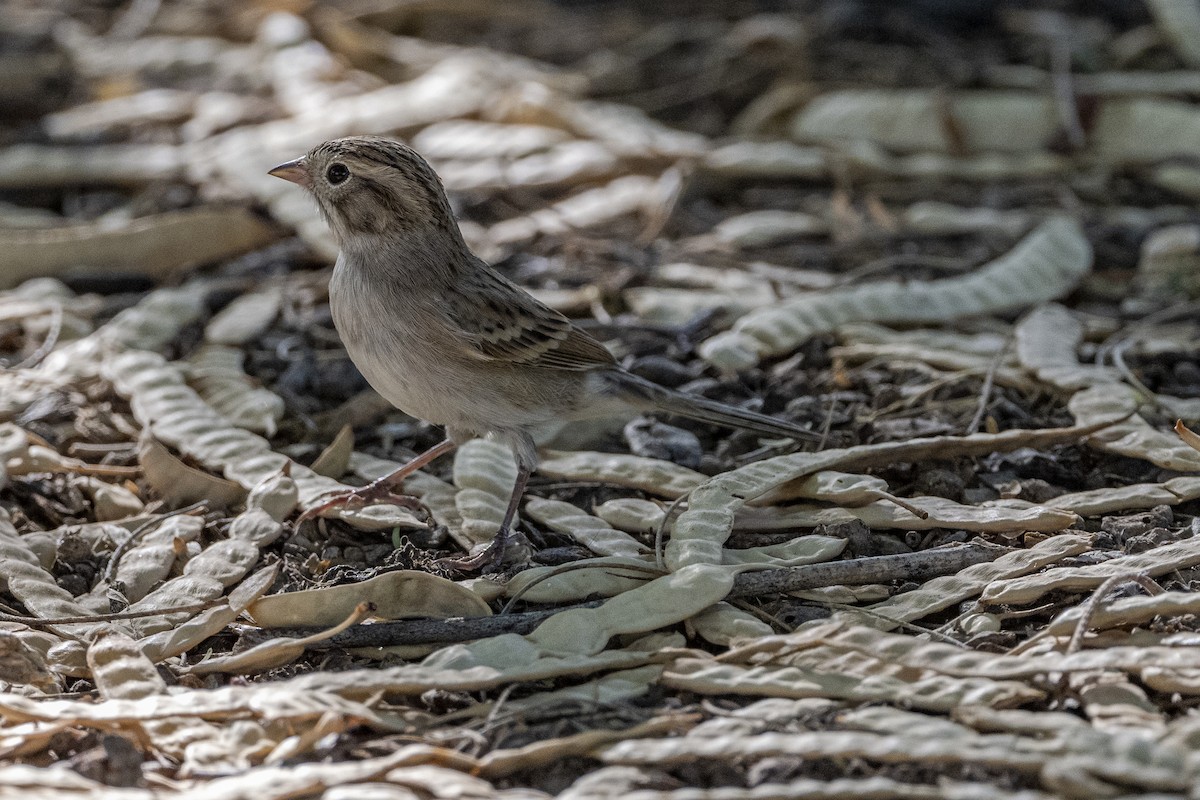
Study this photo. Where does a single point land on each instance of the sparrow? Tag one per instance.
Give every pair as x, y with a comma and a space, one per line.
447, 339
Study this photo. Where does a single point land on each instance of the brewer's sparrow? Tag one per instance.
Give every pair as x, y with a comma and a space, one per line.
446, 338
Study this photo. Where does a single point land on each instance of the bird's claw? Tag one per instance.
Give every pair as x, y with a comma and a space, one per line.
489, 559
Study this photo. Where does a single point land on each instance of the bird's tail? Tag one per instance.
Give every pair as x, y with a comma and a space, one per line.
648, 396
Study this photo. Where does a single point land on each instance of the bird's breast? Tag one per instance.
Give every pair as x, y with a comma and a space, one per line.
405, 348
387, 338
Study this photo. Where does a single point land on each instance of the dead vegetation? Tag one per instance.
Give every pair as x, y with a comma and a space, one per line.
958, 243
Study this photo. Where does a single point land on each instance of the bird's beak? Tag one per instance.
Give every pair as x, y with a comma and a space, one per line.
295, 171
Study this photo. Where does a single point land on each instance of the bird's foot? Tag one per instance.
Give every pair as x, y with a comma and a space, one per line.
380, 492
490, 559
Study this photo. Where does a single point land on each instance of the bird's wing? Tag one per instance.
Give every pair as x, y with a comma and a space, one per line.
501, 322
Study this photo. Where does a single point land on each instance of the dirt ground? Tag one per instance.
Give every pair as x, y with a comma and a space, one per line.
954, 240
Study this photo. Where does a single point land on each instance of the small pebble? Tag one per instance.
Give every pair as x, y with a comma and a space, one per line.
652, 439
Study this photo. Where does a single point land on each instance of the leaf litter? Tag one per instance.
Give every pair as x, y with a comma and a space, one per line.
979, 291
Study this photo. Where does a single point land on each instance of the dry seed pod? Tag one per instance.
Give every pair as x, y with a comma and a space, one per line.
607, 576
1138, 496
216, 372
210, 572
591, 532
485, 472
651, 475
245, 318
32, 166
908, 120
33, 585
183, 636
178, 484
435, 494
1142, 131
1046, 341
178, 416
869, 159
150, 325
123, 672
276, 494
669, 306
934, 218
613, 689
156, 245
23, 667
661, 602
150, 559
1044, 265
151, 105
945, 592
771, 160
1027, 589
400, 594
996, 516
1170, 261
722, 623
1133, 436
794, 553
475, 140
586, 209
632, 514
334, 460
273, 653
111, 501
766, 228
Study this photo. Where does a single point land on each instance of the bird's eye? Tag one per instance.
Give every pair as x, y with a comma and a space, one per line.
337, 173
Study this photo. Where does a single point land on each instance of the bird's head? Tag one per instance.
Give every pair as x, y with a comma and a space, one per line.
368, 186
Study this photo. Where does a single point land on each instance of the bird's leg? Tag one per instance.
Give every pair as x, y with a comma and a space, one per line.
381, 490
493, 555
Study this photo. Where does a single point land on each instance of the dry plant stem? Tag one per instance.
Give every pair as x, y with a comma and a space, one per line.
1089, 609
35, 622
955, 624
105, 470
494, 718
1187, 434
1102, 591
877, 569
660, 532
46, 346
435, 631
919, 513
1182, 310
989, 383
827, 425
1064, 89
1118, 359
381, 489
891, 262
893, 622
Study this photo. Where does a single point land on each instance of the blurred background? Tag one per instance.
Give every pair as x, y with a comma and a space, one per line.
657, 169
521, 104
